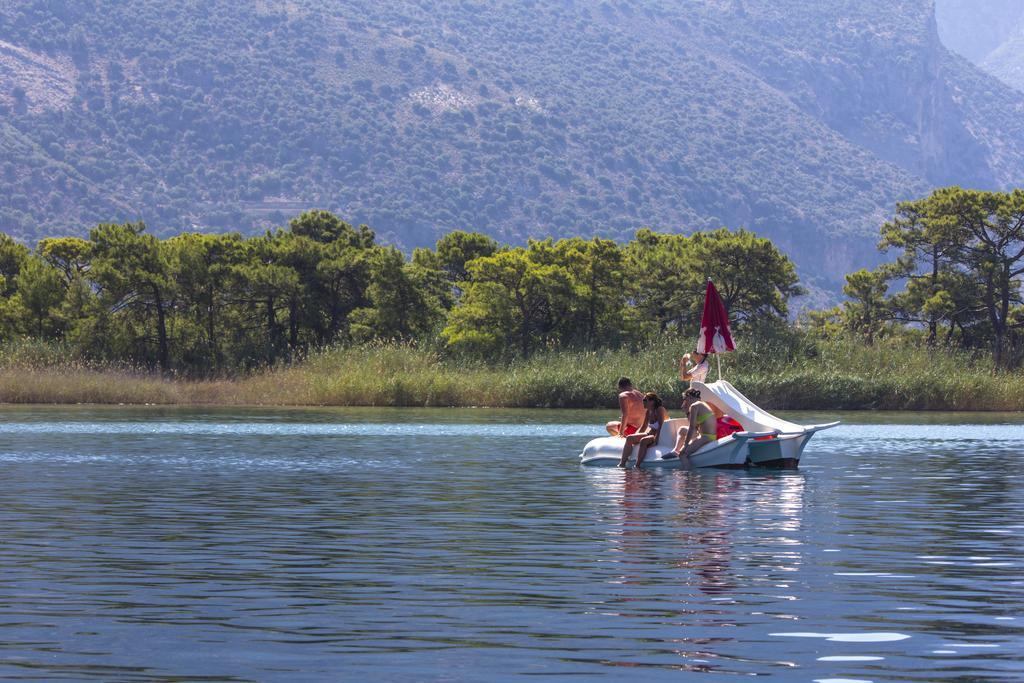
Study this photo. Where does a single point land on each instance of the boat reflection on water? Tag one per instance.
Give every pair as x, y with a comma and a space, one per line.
686, 555
772, 519
711, 530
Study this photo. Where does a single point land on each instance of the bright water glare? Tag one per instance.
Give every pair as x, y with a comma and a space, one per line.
310, 545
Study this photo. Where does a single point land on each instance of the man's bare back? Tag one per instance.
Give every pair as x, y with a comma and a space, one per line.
631, 409
632, 405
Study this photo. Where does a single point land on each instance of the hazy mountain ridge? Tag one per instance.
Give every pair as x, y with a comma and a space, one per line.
519, 119
910, 103
1007, 61
988, 33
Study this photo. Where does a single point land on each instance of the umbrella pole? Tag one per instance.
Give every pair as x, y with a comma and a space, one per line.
718, 357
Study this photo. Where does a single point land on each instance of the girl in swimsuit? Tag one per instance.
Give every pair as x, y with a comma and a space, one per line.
650, 430
702, 428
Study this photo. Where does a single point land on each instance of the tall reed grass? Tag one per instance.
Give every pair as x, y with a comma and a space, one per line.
788, 373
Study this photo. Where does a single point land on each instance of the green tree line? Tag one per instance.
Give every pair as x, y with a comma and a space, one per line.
217, 303
211, 304
955, 282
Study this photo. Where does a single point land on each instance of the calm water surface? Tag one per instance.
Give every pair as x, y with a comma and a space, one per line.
313, 545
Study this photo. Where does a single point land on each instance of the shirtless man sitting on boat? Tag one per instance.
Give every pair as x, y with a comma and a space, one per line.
631, 407
700, 430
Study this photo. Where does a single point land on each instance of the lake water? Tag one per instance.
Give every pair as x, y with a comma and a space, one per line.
440, 545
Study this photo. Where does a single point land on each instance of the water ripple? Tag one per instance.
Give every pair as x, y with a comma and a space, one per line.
255, 547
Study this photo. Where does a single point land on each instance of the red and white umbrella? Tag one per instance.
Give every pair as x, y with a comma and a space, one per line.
714, 326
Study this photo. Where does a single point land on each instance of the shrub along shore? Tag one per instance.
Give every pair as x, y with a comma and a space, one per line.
832, 375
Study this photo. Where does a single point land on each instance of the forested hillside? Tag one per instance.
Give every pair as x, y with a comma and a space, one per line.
805, 122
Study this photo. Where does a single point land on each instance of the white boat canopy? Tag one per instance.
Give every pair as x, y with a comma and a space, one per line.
730, 401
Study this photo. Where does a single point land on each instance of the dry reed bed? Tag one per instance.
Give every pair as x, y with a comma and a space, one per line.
834, 376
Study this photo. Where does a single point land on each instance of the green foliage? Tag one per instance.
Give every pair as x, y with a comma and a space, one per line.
203, 272
70, 255
399, 308
866, 310
324, 227
589, 294
962, 259
40, 292
132, 272
512, 295
12, 257
203, 304
669, 271
215, 304
598, 272
458, 248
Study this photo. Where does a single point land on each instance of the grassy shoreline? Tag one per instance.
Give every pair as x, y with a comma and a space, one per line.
835, 376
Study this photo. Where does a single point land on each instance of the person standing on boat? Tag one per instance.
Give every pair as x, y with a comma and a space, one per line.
700, 430
655, 417
631, 408
693, 367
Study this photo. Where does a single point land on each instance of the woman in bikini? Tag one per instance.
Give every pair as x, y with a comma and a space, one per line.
654, 419
701, 429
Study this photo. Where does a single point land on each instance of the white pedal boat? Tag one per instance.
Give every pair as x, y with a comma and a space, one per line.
767, 441
726, 452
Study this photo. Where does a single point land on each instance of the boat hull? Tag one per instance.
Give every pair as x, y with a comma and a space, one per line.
778, 451
728, 452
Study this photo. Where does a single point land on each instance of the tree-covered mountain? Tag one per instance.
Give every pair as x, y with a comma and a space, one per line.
804, 122
990, 33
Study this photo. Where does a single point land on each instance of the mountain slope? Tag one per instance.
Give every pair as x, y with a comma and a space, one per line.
1007, 61
990, 33
803, 121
